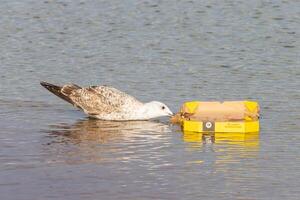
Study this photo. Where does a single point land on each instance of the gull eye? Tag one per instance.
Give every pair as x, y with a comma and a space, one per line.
163, 107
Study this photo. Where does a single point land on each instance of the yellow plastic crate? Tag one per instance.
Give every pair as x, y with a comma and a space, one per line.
224, 127
245, 126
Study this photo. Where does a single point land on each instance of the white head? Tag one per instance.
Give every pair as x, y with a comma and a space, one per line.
155, 109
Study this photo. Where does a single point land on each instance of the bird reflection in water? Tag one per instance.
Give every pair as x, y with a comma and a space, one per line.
99, 131
96, 140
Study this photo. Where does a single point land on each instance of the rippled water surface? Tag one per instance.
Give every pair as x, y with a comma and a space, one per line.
171, 51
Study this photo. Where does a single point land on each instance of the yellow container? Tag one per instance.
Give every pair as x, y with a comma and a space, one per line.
246, 125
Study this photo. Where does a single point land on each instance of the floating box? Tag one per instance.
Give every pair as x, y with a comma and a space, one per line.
224, 127
226, 117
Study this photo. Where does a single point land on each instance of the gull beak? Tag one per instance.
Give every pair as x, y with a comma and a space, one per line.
170, 114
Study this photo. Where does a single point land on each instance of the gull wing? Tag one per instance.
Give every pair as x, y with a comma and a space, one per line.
96, 100
61, 91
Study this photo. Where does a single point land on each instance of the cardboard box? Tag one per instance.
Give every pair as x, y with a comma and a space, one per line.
226, 117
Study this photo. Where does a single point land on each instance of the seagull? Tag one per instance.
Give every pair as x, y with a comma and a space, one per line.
108, 103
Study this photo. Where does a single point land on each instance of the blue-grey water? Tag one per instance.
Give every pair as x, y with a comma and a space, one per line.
171, 51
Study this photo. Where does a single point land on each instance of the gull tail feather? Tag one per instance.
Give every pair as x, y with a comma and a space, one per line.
58, 91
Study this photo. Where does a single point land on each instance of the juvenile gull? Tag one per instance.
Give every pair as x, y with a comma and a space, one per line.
108, 103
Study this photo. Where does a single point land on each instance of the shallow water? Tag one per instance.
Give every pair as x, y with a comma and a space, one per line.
171, 51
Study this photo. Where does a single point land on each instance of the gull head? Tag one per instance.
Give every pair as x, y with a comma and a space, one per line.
155, 109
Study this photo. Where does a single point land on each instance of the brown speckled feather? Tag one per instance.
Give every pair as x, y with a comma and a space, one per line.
62, 92
104, 102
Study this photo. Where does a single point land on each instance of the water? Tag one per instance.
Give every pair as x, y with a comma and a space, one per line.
171, 51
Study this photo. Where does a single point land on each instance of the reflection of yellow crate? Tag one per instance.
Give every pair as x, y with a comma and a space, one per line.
224, 127
244, 139
245, 125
